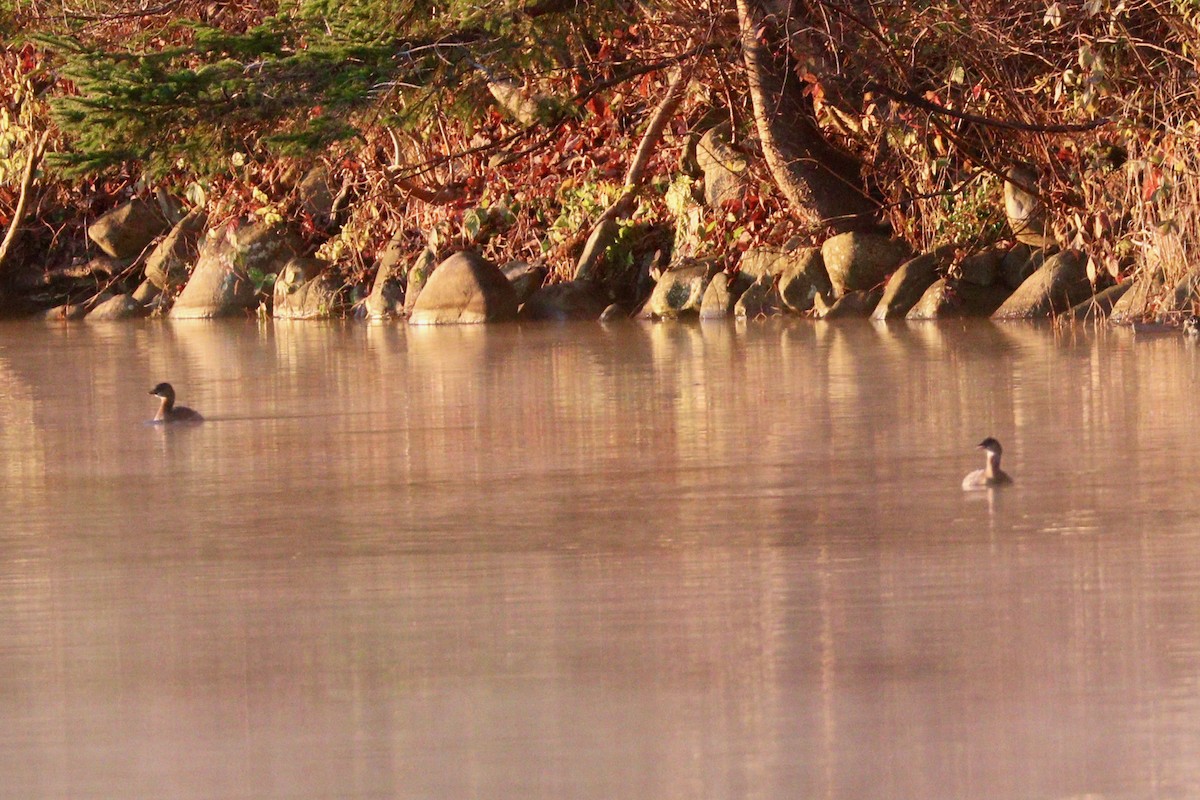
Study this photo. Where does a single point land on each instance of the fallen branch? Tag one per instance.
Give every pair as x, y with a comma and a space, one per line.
914, 99
601, 231
36, 151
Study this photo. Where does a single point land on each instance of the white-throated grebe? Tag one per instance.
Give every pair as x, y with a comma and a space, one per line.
168, 411
991, 475
1191, 326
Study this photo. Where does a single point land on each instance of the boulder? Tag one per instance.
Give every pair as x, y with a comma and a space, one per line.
120, 306
761, 299
167, 265
230, 268
1025, 211
1184, 295
724, 167
722, 293
124, 232
1100, 306
949, 298
466, 288
65, 312
758, 262
317, 195
1138, 303
680, 290
982, 268
909, 282
613, 312
527, 278
802, 279
304, 290
1021, 262
387, 291
858, 303
1058, 285
856, 260
572, 300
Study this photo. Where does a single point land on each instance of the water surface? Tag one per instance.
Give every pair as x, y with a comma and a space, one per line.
689, 561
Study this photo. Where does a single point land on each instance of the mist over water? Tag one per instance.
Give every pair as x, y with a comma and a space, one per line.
673, 560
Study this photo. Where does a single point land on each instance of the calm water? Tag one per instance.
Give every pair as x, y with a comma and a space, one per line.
670, 561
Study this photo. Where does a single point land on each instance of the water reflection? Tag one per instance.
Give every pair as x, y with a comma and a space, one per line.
585, 561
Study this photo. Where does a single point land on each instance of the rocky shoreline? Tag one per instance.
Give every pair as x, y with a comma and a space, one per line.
183, 268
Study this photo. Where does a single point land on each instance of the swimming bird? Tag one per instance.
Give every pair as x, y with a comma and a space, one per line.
991, 475
1191, 326
168, 411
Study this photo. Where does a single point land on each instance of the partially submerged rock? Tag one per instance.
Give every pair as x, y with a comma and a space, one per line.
573, 300
168, 263
1059, 284
117, 307
760, 300
949, 298
466, 288
303, 290
722, 293
680, 290
223, 282
857, 260
909, 282
859, 303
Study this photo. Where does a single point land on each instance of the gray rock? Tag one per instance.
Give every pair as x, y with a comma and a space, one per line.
724, 167
857, 260
909, 282
759, 262
680, 290
125, 231
1026, 212
952, 298
303, 290
1138, 303
760, 300
803, 278
317, 195
168, 263
613, 312
1100, 306
418, 274
222, 284
858, 303
560, 302
1058, 285
67, 312
147, 293
526, 278
722, 293
982, 268
117, 307
1022, 261
1185, 294
387, 291
466, 288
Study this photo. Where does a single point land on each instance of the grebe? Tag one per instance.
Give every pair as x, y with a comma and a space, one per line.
991, 475
168, 411
1191, 326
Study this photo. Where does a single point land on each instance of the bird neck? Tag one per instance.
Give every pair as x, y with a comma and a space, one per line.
164, 408
993, 465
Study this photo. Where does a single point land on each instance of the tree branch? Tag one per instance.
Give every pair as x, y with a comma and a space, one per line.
914, 99
36, 151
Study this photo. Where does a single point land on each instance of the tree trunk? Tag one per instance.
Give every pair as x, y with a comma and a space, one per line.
822, 183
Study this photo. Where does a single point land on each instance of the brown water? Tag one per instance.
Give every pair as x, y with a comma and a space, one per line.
582, 562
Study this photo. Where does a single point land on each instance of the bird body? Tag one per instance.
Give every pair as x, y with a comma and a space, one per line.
168, 411
991, 475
